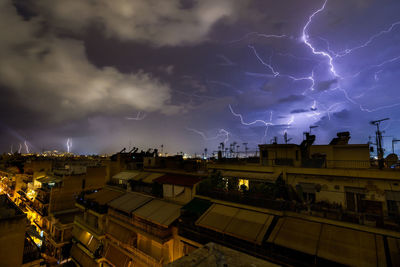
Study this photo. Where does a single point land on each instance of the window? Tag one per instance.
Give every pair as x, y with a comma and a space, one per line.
309, 197
244, 182
354, 197
308, 192
393, 208
393, 202
264, 157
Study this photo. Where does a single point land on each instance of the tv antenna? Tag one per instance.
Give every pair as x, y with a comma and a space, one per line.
313, 127
379, 137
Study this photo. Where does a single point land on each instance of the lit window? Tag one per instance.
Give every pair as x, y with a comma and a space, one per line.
243, 182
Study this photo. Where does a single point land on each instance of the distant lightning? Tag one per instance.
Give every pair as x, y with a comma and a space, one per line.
249, 123
275, 73
325, 56
222, 133
11, 149
256, 34
266, 129
370, 40
26, 147
268, 65
306, 40
20, 148
69, 145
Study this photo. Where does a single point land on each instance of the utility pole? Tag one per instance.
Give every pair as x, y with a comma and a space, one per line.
379, 147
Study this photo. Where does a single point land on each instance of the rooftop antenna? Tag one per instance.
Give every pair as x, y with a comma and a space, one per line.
286, 138
313, 127
379, 137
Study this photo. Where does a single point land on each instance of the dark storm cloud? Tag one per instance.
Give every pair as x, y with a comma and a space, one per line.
291, 99
295, 111
77, 69
326, 85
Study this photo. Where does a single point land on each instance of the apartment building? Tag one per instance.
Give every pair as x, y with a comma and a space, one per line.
17, 248
339, 181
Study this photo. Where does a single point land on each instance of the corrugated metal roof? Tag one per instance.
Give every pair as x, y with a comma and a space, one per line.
241, 223
130, 201
251, 175
296, 234
125, 175
159, 211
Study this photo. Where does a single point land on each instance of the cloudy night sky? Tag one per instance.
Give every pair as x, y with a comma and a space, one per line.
191, 74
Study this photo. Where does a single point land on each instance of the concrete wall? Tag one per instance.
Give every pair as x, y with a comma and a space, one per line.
12, 236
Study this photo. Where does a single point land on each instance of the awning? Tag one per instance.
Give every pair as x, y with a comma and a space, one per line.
149, 179
351, 247
49, 179
82, 258
308, 187
85, 238
129, 201
104, 196
251, 175
116, 257
159, 211
297, 234
125, 175
394, 250
119, 232
241, 223
141, 176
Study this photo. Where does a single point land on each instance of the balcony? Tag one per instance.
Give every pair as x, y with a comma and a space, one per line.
146, 226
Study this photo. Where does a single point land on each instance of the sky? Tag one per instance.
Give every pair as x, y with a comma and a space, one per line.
189, 75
